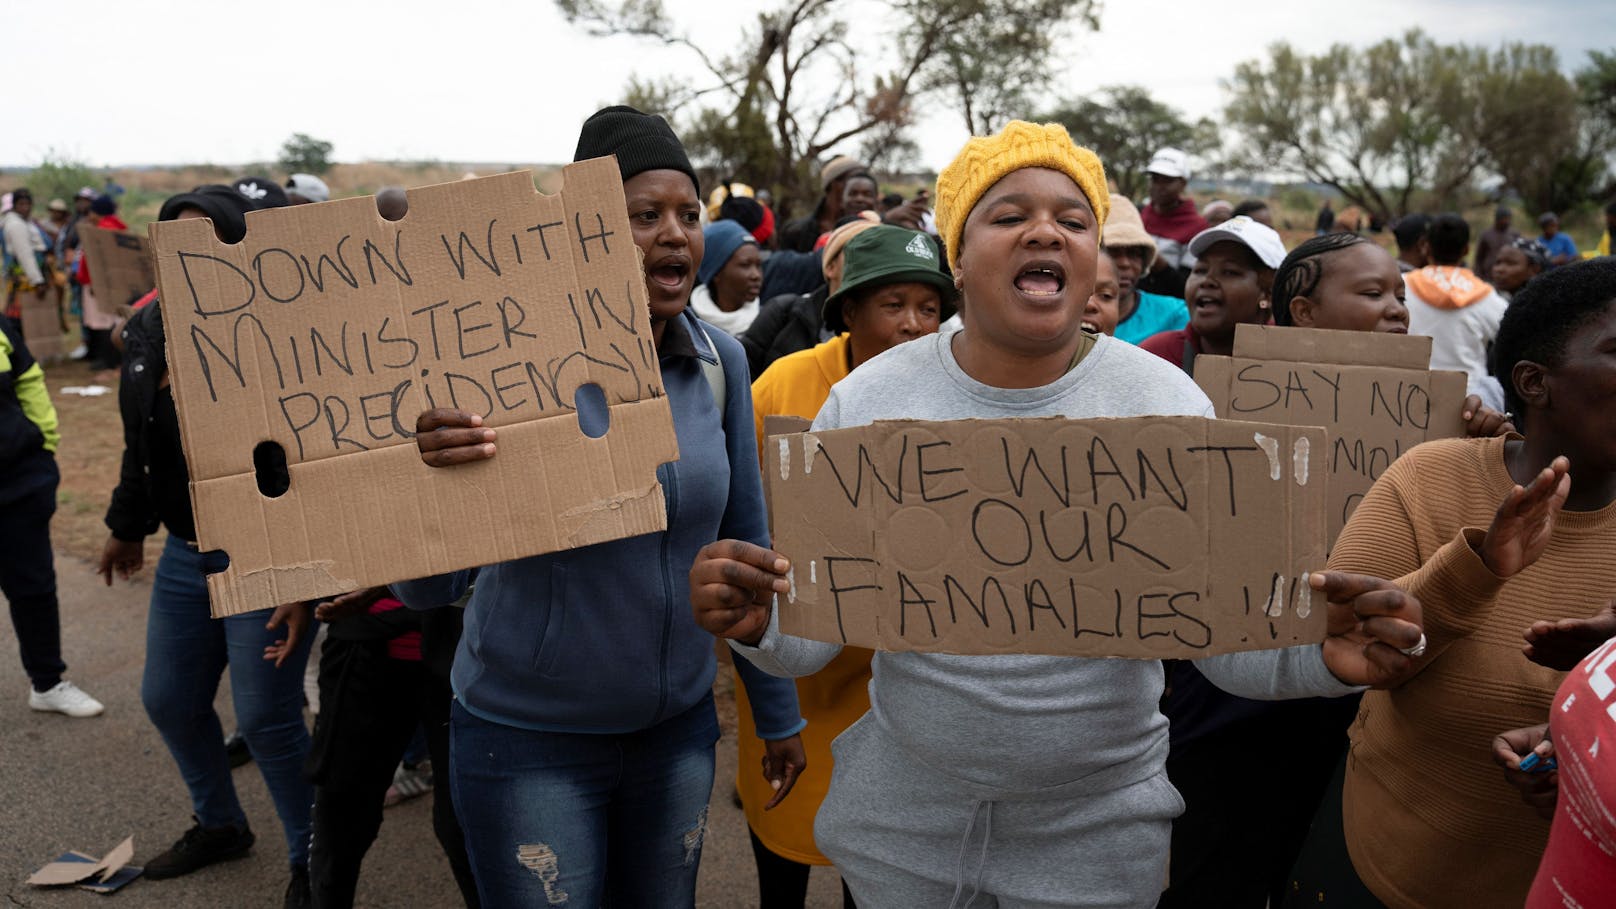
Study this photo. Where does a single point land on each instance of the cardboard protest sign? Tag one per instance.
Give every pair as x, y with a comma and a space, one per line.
121, 267
1155, 538
325, 333
1375, 393
42, 324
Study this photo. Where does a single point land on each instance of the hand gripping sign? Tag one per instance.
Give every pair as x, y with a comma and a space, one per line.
317, 340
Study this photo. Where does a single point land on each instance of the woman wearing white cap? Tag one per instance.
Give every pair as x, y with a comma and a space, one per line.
1232, 282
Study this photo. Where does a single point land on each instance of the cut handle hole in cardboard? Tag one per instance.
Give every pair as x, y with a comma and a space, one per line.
269, 465
593, 416
392, 203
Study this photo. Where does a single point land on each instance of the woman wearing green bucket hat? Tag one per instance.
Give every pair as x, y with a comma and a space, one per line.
893, 290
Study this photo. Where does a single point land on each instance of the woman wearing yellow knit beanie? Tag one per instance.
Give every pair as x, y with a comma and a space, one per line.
1025, 780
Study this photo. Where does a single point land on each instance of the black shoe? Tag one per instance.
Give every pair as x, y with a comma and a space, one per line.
236, 747
199, 848
297, 889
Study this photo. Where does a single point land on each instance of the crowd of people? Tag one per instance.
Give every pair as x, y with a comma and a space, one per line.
566, 700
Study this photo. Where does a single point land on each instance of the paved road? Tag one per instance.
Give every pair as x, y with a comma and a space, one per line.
87, 784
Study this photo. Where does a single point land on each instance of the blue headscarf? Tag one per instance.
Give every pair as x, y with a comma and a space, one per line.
722, 239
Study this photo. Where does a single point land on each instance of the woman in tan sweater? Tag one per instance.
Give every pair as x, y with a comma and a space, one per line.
1492, 535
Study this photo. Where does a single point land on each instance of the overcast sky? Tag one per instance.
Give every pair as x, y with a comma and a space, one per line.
180, 81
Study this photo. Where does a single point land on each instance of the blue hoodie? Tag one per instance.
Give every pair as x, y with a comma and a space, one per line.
602, 639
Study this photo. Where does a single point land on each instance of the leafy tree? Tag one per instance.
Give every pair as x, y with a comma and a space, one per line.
304, 154
1374, 124
59, 177
805, 79
1595, 158
1125, 125
1531, 121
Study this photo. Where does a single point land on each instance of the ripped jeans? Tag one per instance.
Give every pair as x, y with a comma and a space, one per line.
574, 819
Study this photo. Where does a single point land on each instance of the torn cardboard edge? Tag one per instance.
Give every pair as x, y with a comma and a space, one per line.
328, 329
77, 868
1146, 538
1336, 348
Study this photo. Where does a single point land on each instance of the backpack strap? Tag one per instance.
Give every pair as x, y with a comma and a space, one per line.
713, 372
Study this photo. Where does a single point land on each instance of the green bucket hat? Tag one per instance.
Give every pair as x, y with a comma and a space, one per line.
889, 255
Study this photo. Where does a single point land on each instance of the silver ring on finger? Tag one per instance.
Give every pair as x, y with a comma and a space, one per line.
1418, 650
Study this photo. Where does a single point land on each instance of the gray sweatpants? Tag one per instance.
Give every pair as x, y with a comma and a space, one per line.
903, 835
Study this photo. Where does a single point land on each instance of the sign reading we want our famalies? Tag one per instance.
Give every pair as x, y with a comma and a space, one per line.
1152, 537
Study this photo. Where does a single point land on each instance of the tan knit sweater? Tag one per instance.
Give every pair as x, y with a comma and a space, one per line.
1430, 822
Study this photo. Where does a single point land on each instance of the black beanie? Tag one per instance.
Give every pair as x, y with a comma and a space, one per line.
746, 212
226, 207
640, 141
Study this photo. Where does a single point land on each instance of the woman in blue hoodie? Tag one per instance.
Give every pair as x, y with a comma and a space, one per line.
583, 731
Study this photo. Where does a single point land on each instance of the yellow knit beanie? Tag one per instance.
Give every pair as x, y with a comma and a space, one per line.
985, 160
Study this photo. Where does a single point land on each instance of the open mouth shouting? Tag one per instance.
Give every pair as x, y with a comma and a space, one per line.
1206, 302
1041, 280
669, 272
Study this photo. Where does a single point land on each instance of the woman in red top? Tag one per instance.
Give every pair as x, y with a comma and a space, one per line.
99, 320
1232, 282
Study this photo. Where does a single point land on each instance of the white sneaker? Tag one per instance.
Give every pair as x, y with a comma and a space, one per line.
65, 698
79, 353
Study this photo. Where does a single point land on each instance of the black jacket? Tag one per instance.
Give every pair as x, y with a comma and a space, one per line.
133, 514
784, 325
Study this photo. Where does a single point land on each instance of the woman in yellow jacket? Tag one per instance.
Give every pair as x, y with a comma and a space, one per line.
893, 289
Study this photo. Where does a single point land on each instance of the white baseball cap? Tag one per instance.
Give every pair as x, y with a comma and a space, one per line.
1259, 238
1170, 162
309, 187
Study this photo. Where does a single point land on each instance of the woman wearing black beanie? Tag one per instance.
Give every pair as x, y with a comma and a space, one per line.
583, 729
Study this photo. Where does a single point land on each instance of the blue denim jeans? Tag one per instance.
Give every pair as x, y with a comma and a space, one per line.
577, 819
187, 651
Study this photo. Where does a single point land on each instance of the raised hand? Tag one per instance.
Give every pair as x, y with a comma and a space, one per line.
1525, 521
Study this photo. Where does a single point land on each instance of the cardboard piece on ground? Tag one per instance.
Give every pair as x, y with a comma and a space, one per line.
329, 329
41, 325
79, 868
122, 269
1153, 538
1375, 393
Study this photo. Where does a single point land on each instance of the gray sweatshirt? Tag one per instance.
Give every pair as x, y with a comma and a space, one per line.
1008, 726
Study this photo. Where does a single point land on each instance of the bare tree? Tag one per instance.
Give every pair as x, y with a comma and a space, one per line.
805, 81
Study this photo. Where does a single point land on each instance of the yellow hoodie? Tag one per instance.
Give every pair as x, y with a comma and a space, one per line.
835, 696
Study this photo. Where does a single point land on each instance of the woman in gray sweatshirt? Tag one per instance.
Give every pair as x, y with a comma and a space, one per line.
1028, 780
